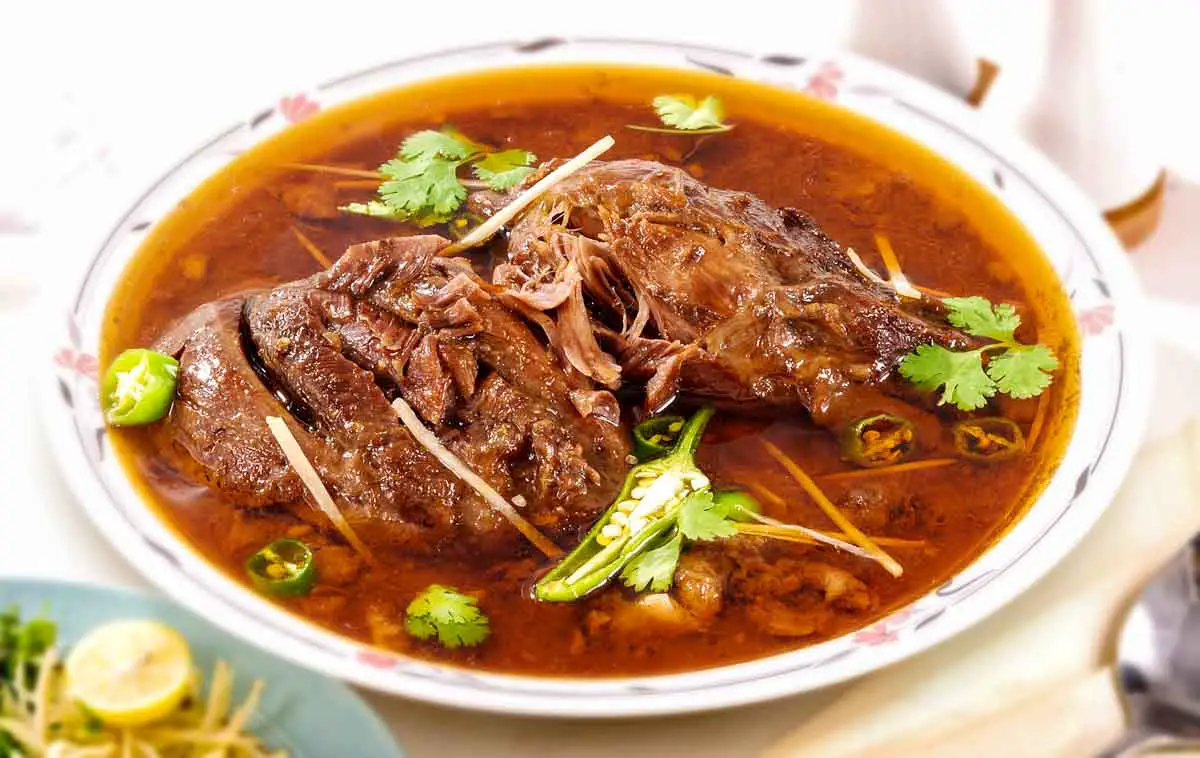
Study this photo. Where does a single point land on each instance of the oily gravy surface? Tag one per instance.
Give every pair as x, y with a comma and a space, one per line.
248, 228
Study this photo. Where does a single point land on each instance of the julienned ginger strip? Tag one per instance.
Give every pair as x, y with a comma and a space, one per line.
430, 442
835, 515
312, 481
484, 231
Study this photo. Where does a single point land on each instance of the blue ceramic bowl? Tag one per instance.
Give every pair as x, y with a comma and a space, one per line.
307, 714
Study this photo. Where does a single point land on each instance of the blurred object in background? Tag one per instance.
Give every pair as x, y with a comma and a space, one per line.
57, 174
923, 38
1095, 111
44, 154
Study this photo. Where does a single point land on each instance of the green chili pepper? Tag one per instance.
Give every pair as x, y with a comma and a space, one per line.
879, 440
740, 505
285, 568
138, 387
988, 439
646, 507
655, 436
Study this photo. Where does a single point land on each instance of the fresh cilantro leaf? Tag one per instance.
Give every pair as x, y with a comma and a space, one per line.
685, 113
654, 569
430, 145
447, 614
702, 518
977, 316
928, 366
35, 638
92, 724
421, 183
423, 187
961, 375
1022, 371
1015, 369
506, 169
22, 644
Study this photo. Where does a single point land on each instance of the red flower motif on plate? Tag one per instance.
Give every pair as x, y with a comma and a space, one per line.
825, 82
1096, 319
298, 107
376, 659
887, 630
79, 363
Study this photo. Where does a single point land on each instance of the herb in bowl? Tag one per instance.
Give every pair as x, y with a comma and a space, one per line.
447, 615
685, 114
421, 184
1013, 368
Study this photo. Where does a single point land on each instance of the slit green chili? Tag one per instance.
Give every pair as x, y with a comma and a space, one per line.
646, 508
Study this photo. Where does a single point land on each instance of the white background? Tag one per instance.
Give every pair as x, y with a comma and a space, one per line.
98, 98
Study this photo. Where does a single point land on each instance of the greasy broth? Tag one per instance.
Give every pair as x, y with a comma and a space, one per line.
855, 178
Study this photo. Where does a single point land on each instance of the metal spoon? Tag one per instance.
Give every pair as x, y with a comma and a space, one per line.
1158, 666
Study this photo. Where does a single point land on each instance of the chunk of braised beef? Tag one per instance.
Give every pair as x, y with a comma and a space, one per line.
329, 353
707, 291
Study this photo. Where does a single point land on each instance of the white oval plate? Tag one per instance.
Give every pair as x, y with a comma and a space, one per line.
1093, 268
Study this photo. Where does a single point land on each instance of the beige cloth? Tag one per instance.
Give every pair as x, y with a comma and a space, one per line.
1032, 680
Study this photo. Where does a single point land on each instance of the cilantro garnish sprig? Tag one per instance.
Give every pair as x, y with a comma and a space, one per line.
447, 615
421, 184
654, 570
705, 517
701, 518
684, 114
1013, 368
22, 645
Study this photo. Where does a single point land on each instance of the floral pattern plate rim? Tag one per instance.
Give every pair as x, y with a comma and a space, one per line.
1116, 371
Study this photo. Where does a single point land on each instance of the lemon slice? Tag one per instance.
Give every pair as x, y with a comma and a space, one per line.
130, 672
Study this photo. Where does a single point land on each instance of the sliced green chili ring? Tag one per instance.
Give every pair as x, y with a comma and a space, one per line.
138, 387
600, 557
655, 436
284, 568
880, 440
988, 439
740, 505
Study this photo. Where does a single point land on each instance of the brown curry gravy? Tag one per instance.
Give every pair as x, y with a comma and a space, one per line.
855, 178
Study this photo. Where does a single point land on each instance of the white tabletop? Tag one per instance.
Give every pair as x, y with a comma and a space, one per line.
118, 97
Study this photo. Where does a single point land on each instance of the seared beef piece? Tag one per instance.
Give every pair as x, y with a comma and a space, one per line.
390, 317
452, 303
220, 406
393, 490
706, 290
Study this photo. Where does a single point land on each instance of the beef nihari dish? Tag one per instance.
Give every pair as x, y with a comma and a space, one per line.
560, 371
